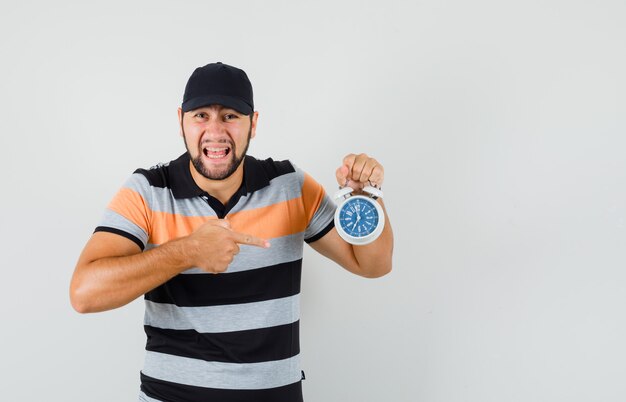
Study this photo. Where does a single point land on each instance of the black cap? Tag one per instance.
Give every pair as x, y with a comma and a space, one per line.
220, 84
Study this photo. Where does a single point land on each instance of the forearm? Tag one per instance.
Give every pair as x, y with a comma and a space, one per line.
374, 259
111, 282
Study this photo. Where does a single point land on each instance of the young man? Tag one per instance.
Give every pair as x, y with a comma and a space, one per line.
214, 241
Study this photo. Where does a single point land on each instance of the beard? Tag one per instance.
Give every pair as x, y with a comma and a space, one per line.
218, 174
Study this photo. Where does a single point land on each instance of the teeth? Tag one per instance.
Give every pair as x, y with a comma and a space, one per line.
216, 152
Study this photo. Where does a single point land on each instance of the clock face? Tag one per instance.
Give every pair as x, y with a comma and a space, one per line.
358, 217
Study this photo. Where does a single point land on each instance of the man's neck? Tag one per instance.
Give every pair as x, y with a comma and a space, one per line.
223, 190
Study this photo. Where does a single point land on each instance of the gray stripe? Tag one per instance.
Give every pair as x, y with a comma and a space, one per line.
112, 219
200, 373
282, 188
283, 249
145, 398
227, 318
161, 199
139, 183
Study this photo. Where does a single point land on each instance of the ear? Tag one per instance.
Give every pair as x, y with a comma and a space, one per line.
180, 121
255, 118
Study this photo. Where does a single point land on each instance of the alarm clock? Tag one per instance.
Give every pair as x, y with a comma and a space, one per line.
359, 219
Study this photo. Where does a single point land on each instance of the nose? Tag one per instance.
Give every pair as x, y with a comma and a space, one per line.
214, 128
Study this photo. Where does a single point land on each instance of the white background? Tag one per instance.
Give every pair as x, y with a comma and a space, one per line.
501, 126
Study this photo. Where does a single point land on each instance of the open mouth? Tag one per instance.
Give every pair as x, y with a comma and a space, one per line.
216, 152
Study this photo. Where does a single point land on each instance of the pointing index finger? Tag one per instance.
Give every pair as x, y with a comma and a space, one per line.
242, 238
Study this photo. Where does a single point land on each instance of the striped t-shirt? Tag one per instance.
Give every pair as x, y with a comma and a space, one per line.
232, 336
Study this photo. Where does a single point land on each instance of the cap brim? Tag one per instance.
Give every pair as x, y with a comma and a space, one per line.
228, 101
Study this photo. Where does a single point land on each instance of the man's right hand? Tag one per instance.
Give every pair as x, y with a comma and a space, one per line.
112, 270
213, 246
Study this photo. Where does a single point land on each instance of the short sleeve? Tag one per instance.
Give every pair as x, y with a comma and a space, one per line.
319, 209
128, 214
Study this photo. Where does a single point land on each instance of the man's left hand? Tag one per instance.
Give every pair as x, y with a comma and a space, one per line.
358, 171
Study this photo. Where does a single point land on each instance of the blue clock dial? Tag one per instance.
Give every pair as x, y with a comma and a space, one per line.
358, 217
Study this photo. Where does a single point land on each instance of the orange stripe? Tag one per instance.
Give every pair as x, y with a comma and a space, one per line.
277, 220
312, 196
167, 226
131, 205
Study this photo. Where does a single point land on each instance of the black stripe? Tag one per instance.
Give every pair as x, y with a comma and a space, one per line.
157, 176
196, 290
251, 346
121, 233
322, 233
172, 392
274, 169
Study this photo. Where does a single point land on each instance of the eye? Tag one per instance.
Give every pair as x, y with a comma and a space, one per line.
200, 115
230, 116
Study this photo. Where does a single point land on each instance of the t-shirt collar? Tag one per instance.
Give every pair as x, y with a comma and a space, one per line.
184, 186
